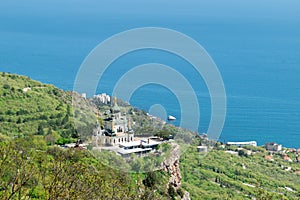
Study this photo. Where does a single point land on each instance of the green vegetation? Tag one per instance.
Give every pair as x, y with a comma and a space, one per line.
45, 172
35, 116
30, 107
221, 175
134, 163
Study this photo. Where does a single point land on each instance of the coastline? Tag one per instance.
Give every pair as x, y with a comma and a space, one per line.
227, 136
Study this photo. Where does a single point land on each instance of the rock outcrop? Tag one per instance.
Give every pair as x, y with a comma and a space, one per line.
171, 165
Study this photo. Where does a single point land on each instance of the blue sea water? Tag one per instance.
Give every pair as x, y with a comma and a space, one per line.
259, 60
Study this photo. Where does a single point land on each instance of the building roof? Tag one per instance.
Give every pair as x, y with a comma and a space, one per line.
272, 143
268, 157
151, 143
242, 143
131, 144
232, 152
115, 108
138, 143
286, 158
136, 150
201, 147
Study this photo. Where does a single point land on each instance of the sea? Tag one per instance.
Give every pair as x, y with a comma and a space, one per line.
258, 59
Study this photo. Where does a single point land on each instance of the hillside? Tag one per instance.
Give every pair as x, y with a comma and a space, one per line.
223, 175
31, 170
30, 107
35, 116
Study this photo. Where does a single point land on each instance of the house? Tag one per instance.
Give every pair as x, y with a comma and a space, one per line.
138, 151
241, 144
293, 150
103, 98
232, 152
139, 148
287, 159
203, 136
26, 89
246, 152
288, 169
268, 157
272, 146
140, 144
202, 149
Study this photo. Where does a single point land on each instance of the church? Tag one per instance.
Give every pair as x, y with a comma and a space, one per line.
116, 128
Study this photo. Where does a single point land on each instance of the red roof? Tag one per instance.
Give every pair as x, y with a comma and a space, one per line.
286, 158
267, 157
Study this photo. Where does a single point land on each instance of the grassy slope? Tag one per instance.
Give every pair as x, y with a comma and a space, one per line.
221, 175
217, 175
44, 106
21, 114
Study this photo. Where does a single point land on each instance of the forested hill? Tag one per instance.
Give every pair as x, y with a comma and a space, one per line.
34, 116
30, 107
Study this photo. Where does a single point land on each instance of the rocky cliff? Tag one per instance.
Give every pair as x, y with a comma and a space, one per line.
171, 165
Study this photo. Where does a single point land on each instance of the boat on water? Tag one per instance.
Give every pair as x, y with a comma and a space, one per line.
171, 118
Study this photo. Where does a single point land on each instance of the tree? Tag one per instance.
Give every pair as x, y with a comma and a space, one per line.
2, 119
163, 134
40, 130
9, 112
242, 152
150, 180
6, 86
180, 192
19, 121
17, 170
171, 192
51, 137
69, 113
65, 119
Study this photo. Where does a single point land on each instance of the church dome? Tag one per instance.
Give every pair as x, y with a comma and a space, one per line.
115, 108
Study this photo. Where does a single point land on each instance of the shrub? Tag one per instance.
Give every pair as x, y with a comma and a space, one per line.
150, 180
171, 192
10, 112
6, 86
180, 192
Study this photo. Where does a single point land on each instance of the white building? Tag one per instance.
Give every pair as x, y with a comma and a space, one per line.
117, 135
116, 129
202, 149
272, 146
104, 98
241, 144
